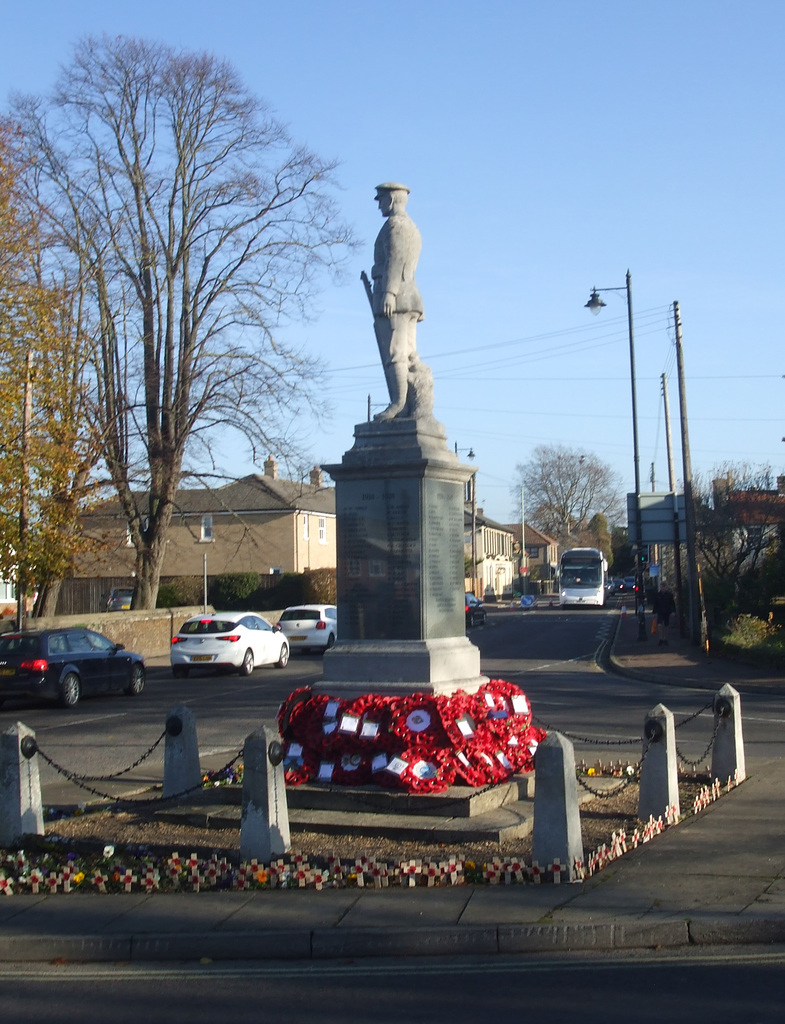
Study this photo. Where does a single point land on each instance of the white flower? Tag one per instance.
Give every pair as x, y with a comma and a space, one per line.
108, 852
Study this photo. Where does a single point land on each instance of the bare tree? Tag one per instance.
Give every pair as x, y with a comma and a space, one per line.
737, 518
565, 489
194, 228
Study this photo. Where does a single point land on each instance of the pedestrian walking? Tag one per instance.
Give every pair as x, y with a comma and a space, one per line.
663, 607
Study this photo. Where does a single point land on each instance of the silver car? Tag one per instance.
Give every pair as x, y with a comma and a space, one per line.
310, 627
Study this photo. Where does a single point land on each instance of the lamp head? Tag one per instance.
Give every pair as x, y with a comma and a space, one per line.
595, 303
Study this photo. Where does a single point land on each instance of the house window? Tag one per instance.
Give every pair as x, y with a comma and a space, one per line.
305, 527
322, 530
129, 543
7, 591
276, 570
207, 529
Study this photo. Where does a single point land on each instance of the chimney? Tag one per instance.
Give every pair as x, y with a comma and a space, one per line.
271, 467
316, 477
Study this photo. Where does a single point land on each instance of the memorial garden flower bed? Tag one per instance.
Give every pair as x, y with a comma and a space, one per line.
77, 862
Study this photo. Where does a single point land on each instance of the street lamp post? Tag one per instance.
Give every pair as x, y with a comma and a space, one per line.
473, 500
595, 304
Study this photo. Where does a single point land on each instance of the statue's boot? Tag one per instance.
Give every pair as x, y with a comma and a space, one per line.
397, 375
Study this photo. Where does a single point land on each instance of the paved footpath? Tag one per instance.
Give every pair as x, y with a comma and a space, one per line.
719, 877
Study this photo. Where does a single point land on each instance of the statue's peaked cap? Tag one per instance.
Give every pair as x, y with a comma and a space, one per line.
392, 186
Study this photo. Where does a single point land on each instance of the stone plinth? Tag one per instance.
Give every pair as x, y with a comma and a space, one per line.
400, 576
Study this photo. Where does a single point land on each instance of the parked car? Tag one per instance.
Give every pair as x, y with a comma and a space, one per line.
228, 640
475, 613
310, 627
65, 665
119, 599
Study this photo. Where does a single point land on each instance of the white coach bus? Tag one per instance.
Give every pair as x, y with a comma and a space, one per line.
582, 577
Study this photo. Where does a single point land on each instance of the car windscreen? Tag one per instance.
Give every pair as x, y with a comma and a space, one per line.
197, 626
20, 644
299, 613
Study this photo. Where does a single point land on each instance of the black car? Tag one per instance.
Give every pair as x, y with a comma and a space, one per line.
475, 613
66, 664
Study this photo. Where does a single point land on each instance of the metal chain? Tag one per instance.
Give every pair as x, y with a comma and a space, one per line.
608, 793
626, 783
75, 778
689, 718
614, 743
78, 780
114, 775
705, 754
585, 739
185, 792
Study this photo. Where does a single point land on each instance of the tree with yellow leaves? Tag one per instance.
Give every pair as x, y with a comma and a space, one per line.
47, 453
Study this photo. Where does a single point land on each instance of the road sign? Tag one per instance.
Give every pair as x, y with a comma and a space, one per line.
659, 513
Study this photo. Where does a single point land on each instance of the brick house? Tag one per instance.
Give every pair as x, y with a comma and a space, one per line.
259, 523
542, 555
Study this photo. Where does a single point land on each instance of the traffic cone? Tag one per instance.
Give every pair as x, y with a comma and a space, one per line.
624, 611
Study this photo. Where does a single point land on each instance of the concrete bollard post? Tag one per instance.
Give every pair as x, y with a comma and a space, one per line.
264, 822
727, 757
659, 791
21, 811
181, 753
556, 833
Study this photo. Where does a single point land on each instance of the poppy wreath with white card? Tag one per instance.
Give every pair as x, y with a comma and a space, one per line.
417, 721
427, 771
461, 714
300, 763
351, 769
374, 732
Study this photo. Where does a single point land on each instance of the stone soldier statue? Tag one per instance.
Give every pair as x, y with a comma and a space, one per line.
397, 306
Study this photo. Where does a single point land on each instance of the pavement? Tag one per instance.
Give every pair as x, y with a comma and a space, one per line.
716, 878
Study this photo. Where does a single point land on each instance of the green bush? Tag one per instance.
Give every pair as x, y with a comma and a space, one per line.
180, 592
754, 639
747, 631
313, 587
235, 591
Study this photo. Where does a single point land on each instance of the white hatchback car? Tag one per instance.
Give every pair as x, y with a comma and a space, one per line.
310, 626
234, 640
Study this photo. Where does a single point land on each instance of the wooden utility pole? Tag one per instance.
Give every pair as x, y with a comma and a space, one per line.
676, 533
689, 506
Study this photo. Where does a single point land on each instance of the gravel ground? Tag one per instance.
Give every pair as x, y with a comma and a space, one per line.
599, 820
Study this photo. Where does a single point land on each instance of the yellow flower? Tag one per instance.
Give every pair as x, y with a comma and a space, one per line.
591, 771
261, 876
470, 864
78, 877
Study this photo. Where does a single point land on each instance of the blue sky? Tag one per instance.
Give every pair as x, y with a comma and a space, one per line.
549, 146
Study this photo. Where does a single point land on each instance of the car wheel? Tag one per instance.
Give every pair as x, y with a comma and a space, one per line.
283, 660
70, 690
247, 666
329, 644
179, 671
136, 682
